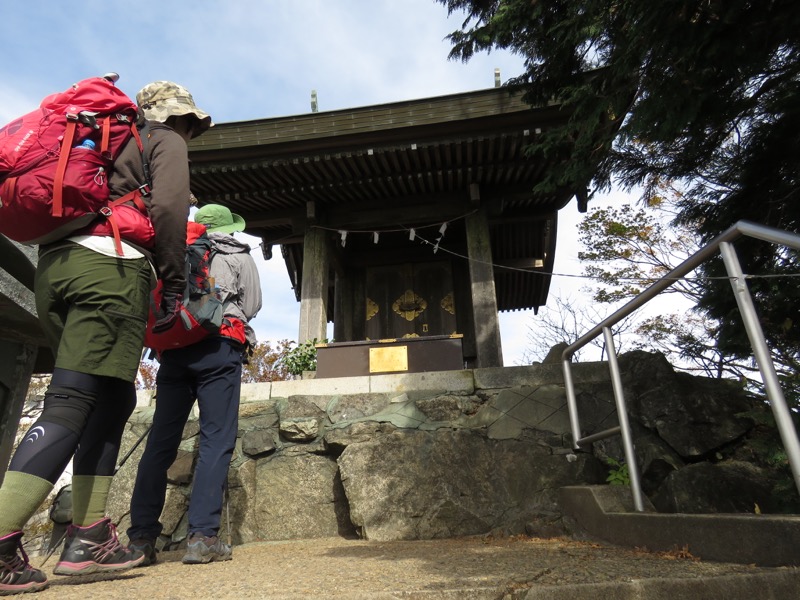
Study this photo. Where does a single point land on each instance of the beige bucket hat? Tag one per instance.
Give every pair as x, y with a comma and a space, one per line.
163, 99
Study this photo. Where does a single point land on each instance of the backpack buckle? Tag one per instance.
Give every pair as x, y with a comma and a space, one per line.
106, 211
88, 118
144, 189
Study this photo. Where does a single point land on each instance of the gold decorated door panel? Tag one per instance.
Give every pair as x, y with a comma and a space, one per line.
410, 300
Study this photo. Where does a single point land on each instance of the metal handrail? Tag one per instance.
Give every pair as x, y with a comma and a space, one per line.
755, 333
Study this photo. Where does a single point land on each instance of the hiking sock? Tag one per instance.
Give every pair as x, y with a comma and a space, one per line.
89, 496
21, 495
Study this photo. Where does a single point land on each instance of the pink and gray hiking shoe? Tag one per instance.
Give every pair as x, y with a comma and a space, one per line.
16, 573
95, 549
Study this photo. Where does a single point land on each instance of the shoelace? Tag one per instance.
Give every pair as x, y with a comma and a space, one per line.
102, 551
18, 564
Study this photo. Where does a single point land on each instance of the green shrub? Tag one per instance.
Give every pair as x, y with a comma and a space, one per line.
302, 357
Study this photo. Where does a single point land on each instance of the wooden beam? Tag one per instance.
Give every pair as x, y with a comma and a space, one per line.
521, 263
397, 211
379, 256
475, 194
280, 237
273, 218
311, 211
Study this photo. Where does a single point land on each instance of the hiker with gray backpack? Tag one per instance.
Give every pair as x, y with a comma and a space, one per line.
209, 371
92, 289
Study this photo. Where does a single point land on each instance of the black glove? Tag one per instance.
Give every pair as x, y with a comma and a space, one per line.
167, 313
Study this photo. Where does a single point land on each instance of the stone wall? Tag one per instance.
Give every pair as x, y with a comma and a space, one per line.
455, 453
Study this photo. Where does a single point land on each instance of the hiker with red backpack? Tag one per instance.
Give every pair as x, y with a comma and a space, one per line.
92, 290
210, 371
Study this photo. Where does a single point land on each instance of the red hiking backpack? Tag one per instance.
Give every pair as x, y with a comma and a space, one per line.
201, 312
50, 186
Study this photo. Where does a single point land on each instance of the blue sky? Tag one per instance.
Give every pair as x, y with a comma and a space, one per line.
251, 59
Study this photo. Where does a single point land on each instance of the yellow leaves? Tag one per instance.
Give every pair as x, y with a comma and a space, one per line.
678, 554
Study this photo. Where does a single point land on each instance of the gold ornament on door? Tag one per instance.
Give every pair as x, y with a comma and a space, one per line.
448, 304
409, 305
372, 308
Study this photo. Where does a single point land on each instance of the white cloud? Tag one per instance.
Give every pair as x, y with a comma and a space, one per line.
248, 59
13, 103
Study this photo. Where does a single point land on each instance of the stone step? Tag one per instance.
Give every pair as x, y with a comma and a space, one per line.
606, 513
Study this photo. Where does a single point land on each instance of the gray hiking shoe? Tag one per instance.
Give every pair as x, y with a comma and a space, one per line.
147, 547
202, 549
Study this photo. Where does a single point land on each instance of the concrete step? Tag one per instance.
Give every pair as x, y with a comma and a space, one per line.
606, 512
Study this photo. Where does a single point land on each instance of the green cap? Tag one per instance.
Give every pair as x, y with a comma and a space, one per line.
219, 219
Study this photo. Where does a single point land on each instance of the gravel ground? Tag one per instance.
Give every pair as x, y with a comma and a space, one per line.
337, 568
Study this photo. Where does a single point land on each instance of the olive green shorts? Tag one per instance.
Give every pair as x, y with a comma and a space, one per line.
93, 309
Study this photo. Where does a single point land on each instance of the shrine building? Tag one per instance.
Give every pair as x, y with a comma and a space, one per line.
407, 225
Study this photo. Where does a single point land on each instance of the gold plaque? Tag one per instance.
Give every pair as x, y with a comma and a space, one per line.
385, 360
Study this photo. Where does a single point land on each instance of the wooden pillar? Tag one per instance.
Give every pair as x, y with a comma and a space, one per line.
314, 298
484, 296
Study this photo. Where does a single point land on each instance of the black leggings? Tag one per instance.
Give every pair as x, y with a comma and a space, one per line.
84, 415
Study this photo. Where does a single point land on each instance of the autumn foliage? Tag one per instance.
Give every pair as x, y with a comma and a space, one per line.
264, 364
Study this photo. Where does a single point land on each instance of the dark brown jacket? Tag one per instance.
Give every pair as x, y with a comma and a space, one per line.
168, 203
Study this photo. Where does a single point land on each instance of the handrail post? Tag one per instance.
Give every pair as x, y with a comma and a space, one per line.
780, 410
624, 423
572, 404
783, 416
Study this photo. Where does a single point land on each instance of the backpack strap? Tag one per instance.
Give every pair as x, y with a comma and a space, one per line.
61, 168
140, 141
134, 196
66, 145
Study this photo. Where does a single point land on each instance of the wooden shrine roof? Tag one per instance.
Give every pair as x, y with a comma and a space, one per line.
391, 167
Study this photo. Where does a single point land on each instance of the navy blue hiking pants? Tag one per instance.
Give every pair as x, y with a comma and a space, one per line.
211, 372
